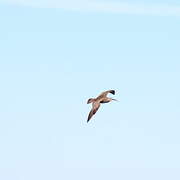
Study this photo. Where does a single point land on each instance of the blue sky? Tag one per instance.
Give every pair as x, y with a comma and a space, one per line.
53, 59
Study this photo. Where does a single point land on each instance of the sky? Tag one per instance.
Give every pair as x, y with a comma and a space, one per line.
55, 55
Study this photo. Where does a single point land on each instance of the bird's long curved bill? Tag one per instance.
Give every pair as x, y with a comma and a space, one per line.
114, 99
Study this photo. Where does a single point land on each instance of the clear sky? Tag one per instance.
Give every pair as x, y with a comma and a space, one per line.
55, 55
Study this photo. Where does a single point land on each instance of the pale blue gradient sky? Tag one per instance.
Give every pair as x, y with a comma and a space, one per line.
53, 60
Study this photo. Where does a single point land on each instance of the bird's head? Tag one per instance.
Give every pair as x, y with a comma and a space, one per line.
90, 100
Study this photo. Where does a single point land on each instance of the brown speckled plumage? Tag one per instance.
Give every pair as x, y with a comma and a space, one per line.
102, 98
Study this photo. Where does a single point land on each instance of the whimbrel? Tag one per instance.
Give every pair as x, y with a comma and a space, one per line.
102, 98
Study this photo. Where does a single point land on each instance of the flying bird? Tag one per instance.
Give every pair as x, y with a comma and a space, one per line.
102, 98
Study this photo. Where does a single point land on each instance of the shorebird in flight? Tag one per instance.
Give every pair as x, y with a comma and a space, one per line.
102, 98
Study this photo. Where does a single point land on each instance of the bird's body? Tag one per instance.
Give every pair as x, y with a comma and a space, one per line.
102, 98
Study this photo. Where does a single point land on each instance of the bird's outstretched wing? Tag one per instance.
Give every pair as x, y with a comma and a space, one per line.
93, 111
105, 93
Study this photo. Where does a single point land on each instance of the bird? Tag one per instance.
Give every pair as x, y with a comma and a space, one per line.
102, 98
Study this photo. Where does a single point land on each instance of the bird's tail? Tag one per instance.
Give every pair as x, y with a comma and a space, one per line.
114, 99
